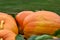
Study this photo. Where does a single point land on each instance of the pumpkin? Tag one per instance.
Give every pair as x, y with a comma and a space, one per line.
7, 35
41, 22
21, 16
9, 22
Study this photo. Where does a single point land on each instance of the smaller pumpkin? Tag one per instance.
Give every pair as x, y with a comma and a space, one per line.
6, 34
9, 22
21, 16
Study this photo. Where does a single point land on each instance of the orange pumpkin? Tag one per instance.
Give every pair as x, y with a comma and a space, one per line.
9, 22
41, 22
7, 35
21, 16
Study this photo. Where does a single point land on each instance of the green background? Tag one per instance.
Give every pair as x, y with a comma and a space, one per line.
15, 6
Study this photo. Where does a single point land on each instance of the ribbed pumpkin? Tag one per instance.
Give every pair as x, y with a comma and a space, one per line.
41, 22
9, 22
21, 16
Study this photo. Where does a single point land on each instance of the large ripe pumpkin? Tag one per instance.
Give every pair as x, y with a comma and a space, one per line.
9, 22
42, 22
21, 16
7, 35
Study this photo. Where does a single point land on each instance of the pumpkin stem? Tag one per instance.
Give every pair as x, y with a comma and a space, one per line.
2, 24
1, 27
1, 38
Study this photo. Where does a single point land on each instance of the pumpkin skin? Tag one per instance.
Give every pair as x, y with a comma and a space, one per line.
42, 22
42, 15
9, 22
21, 16
7, 35
40, 27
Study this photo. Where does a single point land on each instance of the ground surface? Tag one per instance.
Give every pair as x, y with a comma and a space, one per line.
15, 6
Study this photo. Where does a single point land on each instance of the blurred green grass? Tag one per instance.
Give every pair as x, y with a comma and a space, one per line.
15, 6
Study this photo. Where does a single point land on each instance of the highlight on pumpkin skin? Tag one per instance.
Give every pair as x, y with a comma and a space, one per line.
42, 15
21, 16
1, 38
9, 22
